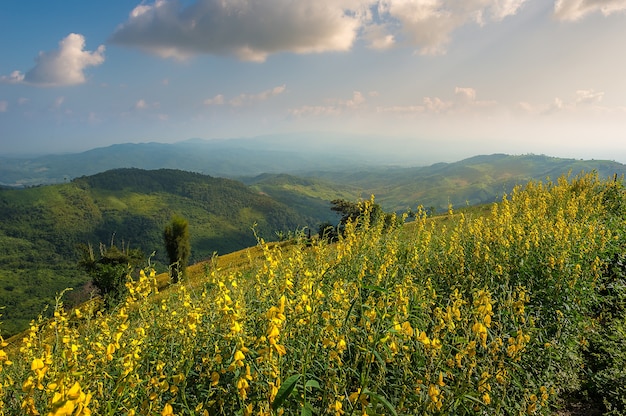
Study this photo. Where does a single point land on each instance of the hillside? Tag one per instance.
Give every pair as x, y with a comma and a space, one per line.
41, 227
309, 196
476, 180
516, 310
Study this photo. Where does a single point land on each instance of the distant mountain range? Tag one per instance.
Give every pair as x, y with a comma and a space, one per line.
476, 180
232, 158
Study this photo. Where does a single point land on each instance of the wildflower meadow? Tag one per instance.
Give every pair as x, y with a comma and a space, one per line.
512, 311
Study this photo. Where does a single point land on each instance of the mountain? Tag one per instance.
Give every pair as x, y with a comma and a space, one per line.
231, 158
476, 180
41, 227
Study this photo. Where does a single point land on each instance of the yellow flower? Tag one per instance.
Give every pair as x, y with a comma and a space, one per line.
167, 410
37, 364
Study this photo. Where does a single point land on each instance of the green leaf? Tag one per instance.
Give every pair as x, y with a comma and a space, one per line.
284, 391
382, 400
375, 288
474, 399
307, 410
313, 384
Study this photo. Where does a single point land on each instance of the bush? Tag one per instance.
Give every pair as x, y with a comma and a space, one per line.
110, 269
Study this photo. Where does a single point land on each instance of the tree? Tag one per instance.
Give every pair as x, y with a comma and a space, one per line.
178, 246
353, 211
109, 270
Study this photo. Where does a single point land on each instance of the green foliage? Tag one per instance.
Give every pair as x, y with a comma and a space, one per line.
362, 212
472, 181
177, 246
109, 269
606, 355
42, 226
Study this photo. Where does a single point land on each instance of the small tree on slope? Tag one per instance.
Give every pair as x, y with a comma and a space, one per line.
178, 246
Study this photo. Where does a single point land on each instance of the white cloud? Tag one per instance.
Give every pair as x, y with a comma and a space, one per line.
577, 9
217, 100
251, 30
356, 100
247, 29
378, 37
315, 110
588, 97
61, 67
142, 104
428, 24
464, 101
4, 106
244, 99
581, 100
334, 107
15, 77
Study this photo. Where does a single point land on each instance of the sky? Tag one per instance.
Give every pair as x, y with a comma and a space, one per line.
466, 76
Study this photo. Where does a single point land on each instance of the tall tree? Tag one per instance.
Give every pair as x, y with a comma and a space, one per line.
178, 246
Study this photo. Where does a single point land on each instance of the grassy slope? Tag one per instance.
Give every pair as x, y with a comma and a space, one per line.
41, 227
235, 264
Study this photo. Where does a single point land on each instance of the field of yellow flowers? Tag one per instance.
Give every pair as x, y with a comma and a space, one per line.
485, 314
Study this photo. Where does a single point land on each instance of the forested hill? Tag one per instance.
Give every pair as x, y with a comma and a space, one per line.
41, 227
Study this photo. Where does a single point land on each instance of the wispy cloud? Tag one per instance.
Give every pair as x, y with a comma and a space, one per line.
464, 101
577, 9
582, 99
245, 99
61, 67
217, 100
333, 106
428, 24
142, 104
4, 106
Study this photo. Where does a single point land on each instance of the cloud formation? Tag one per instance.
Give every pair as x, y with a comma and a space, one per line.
217, 100
464, 101
428, 24
334, 107
61, 67
581, 99
247, 29
244, 99
251, 30
4, 106
577, 9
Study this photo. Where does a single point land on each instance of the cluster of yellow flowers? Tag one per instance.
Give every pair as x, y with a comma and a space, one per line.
442, 316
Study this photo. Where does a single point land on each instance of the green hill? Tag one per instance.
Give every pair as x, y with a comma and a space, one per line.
517, 311
309, 196
477, 180
41, 227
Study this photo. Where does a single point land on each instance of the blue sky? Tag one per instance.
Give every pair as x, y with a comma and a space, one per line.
471, 76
